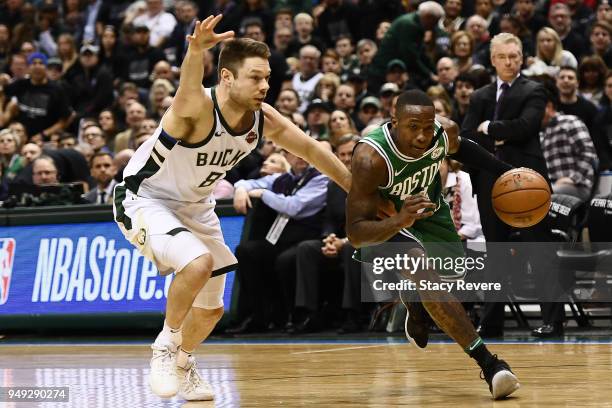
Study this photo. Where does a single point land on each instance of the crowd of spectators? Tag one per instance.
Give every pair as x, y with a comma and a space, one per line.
83, 83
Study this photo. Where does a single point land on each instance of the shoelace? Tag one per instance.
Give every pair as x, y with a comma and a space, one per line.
164, 355
482, 376
193, 377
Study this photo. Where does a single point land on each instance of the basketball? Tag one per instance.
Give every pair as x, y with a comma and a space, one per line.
521, 197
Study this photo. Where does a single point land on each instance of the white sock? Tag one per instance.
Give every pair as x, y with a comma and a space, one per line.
182, 358
171, 336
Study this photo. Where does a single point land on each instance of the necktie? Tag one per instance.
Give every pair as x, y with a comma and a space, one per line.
456, 206
504, 88
102, 197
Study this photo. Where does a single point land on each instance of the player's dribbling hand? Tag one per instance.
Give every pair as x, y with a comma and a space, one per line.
204, 37
415, 208
242, 202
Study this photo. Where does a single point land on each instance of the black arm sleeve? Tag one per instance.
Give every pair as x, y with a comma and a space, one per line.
473, 155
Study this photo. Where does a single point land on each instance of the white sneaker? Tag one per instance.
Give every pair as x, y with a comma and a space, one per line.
162, 379
192, 387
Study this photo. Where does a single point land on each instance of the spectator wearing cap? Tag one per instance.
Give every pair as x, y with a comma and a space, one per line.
405, 40
253, 28
160, 23
397, 73
54, 69
317, 116
386, 94
340, 124
36, 102
447, 72
560, 19
141, 58
305, 80
91, 85
176, 46
360, 85
370, 109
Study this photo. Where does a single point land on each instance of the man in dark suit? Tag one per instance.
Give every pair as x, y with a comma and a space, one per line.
505, 118
103, 171
316, 258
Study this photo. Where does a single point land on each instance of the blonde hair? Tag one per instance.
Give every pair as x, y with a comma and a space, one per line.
558, 54
506, 38
16, 138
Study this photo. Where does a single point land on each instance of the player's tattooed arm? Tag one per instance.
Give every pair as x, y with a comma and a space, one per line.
363, 202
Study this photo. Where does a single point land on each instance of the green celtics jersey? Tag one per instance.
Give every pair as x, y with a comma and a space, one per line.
408, 176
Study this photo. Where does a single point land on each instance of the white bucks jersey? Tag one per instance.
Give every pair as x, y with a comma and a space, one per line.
165, 168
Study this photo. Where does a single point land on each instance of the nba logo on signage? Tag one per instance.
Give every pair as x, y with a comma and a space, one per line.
7, 257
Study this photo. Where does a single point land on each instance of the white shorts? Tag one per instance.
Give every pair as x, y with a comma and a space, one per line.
172, 234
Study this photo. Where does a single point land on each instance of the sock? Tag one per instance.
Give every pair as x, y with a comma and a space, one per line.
182, 358
479, 352
170, 335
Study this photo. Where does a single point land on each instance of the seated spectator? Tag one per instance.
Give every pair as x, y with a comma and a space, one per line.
345, 98
288, 101
592, 77
135, 114
103, 171
478, 28
297, 199
96, 138
160, 89
559, 18
397, 73
572, 103
29, 152
275, 163
452, 20
465, 84
10, 160
601, 41
464, 208
340, 124
67, 141
447, 71
330, 63
67, 51
550, 52
44, 171
387, 92
19, 129
442, 107
462, 48
36, 102
121, 160
140, 58
348, 60
304, 26
602, 128
108, 124
317, 117
327, 87
369, 110
308, 75
158, 21
568, 150
330, 254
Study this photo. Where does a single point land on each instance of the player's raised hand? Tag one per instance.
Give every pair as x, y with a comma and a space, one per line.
204, 36
415, 208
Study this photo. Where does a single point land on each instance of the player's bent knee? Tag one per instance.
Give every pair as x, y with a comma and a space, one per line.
199, 270
210, 297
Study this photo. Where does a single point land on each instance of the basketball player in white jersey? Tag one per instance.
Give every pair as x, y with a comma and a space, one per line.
165, 207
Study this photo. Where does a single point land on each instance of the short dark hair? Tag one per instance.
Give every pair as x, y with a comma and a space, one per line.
234, 52
552, 92
413, 97
569, 68
99, 154
467, 78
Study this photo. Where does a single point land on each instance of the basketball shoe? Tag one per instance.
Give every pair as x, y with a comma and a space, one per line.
192, 387
162, 379
502, 381
416, 325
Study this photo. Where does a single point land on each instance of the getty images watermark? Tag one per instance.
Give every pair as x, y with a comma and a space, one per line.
527, 272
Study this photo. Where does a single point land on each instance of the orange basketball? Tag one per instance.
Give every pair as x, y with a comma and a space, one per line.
521, 197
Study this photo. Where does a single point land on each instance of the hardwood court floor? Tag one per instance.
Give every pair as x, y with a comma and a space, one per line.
318, 375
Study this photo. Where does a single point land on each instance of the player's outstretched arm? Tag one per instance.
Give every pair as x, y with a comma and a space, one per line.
190, 99
470, 153
284, 133
362, 226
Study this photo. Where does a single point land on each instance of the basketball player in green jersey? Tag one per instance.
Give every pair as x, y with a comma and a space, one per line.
399, 162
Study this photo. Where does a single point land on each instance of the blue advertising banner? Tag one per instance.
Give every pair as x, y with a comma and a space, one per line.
84, 268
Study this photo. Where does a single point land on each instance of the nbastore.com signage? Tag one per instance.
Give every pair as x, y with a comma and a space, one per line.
84, 268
